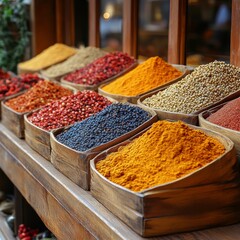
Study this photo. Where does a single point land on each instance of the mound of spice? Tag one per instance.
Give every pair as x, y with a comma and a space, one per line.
150, 74
101, 69
112, 122
14, 85
228, 116
4, 74
206, 85
164, 153
69, 110
52, 55
39, 95
83, 57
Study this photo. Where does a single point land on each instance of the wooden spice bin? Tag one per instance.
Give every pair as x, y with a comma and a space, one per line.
134, 99
4, 98
95, 87
14, 120
191, 118
11, 119
75, 164
232, 134
37, 138
205, 198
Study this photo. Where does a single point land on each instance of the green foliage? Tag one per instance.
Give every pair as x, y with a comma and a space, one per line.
14, 35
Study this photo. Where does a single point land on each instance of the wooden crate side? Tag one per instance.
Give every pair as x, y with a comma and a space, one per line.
69, 156
125, 206
35, 132
74, 173
43, 149
12, 120
192, 200
187, 223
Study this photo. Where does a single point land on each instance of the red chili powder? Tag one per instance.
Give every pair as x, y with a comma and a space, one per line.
228, 116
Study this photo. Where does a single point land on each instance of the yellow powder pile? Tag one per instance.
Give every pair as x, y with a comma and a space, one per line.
164, 153
52, 55
150, 74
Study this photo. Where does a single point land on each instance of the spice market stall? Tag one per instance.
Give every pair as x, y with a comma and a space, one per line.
75, 128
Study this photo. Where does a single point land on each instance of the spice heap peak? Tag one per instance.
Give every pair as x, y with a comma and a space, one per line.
101, 69
68, 110
112, 122
164, 153
52, 55
37, 96
146, 76
83, 57
206, 85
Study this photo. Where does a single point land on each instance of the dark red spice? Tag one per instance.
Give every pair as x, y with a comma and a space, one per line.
228, 116
40, 94
69, 110
101, 69
10, 86
4, 74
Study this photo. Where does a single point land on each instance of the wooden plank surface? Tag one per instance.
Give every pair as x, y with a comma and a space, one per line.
235, 36
67, 210
177, 31
43, 25
94, 19
130, 27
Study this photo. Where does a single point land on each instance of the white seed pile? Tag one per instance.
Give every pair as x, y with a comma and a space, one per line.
206, 85
83, 57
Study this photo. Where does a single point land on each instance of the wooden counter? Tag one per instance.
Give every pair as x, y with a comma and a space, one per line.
67, 210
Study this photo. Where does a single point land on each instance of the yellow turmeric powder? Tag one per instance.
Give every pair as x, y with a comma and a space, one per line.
150, 74
164, 153
52, 55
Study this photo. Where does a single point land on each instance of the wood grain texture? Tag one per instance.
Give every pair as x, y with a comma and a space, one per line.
12, 120
68, 22
130, 27
235, 37
177, 32
94, 19
43, 25
38, 139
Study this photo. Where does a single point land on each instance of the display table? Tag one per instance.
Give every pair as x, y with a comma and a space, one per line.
66, 209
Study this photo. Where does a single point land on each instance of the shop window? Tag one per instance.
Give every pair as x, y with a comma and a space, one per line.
208, 31
111, 15
153, 28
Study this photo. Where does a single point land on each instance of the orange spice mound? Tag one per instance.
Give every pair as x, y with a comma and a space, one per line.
164, 153
148, 75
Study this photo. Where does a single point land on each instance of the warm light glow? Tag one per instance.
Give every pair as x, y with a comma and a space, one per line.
106, 15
